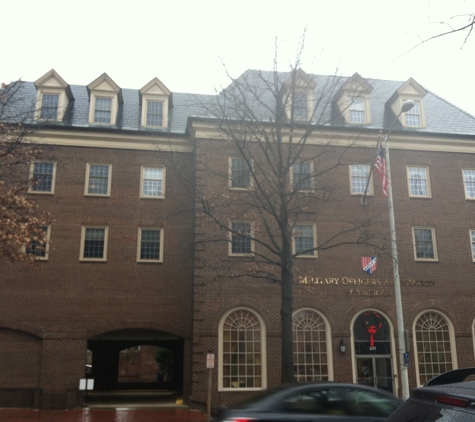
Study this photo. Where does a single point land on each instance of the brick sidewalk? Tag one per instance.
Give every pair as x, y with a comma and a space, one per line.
100, 415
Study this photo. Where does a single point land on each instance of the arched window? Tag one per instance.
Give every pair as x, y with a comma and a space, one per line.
310, 347
242, 350
433, 345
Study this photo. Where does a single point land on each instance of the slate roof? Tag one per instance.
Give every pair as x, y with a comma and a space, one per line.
440, 115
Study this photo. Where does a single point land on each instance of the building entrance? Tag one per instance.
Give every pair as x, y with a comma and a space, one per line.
375, 372
372, 347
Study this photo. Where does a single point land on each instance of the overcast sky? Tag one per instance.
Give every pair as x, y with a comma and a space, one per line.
189, 45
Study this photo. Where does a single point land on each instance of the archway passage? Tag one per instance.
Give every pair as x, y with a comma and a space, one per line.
136, 359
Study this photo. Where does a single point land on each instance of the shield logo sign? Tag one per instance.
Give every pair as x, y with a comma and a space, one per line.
369, 264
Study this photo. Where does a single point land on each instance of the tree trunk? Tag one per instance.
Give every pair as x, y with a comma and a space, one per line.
286, 317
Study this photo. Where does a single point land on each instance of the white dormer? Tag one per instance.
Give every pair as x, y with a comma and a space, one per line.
353, 101
54, 95
155, 99
410, 90
297, 95
105, 97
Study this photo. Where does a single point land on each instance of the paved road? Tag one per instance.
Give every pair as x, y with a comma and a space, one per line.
102, 415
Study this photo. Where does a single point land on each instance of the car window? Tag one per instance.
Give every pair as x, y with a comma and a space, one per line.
322, 401
368, 403
423, 412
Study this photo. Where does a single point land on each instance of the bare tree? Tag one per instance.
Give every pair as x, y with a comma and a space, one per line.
21, 221
275, 130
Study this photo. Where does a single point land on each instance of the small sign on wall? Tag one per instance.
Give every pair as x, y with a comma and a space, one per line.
210, 361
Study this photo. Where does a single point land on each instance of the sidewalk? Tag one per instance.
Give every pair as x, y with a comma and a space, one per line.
102, 415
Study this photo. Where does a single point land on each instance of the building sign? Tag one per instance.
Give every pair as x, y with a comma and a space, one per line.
369, 264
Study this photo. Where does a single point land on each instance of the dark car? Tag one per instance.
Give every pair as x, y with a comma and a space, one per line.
445, 398
319, 402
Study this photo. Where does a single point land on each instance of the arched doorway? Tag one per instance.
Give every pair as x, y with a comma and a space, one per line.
136, 359
373, 350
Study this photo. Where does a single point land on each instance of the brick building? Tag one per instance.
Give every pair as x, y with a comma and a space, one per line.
135, 261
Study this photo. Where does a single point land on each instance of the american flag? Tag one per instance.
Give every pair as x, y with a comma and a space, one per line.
380, 166
369, 264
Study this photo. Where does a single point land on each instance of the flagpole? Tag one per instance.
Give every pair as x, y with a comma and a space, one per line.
363, 198
406, 106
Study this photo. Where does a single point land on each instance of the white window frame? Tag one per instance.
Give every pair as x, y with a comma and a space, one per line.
31, 175
62, 103
154, 100
357, 99
83, 239
434, 243
231, 234
453, 345
311, 177
469, 198
471, 234
142, 179
370, 191
230, 173
427, 179
114, 107
139, 245
48, 236
411, 113
109, 181
263, 351
58, 108
314, 227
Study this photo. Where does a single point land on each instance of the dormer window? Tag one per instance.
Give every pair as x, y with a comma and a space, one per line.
154, 113
300, 106
357, 110
297, 96
413, 116
49, 106
409, 90
105, 97
102, 110
155, 98
54, 95
353, 100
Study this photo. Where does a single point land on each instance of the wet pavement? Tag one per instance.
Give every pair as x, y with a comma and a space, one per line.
102, 415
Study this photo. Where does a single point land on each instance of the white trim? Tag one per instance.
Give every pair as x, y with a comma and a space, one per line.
315, 252
263, 351
427, 179
109, 181
328, 340
370, 191
472, 244
142, 171
31, 174
83, 238
230, 243
468, 198
48, 236
311, 177
394, 358
139, 245
451, 337
434, 243
230, 174
114, 107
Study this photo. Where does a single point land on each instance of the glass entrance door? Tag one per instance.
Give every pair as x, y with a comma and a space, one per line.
375, 371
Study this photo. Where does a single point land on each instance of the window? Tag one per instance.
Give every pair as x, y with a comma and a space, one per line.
103, 110
433, 346
94, 243
300, 106
424, 244
242, 350
357, 110
240, 177
241, 243
310, 347
418, 180
150, 245
49, 106
98, 179
469, 183
413, 116
359, 174
304, 240
152, 183
302, 176
43, 176
154, 113
472, 242
39, 248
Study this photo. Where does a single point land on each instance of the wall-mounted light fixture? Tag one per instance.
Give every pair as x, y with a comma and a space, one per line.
342, 346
